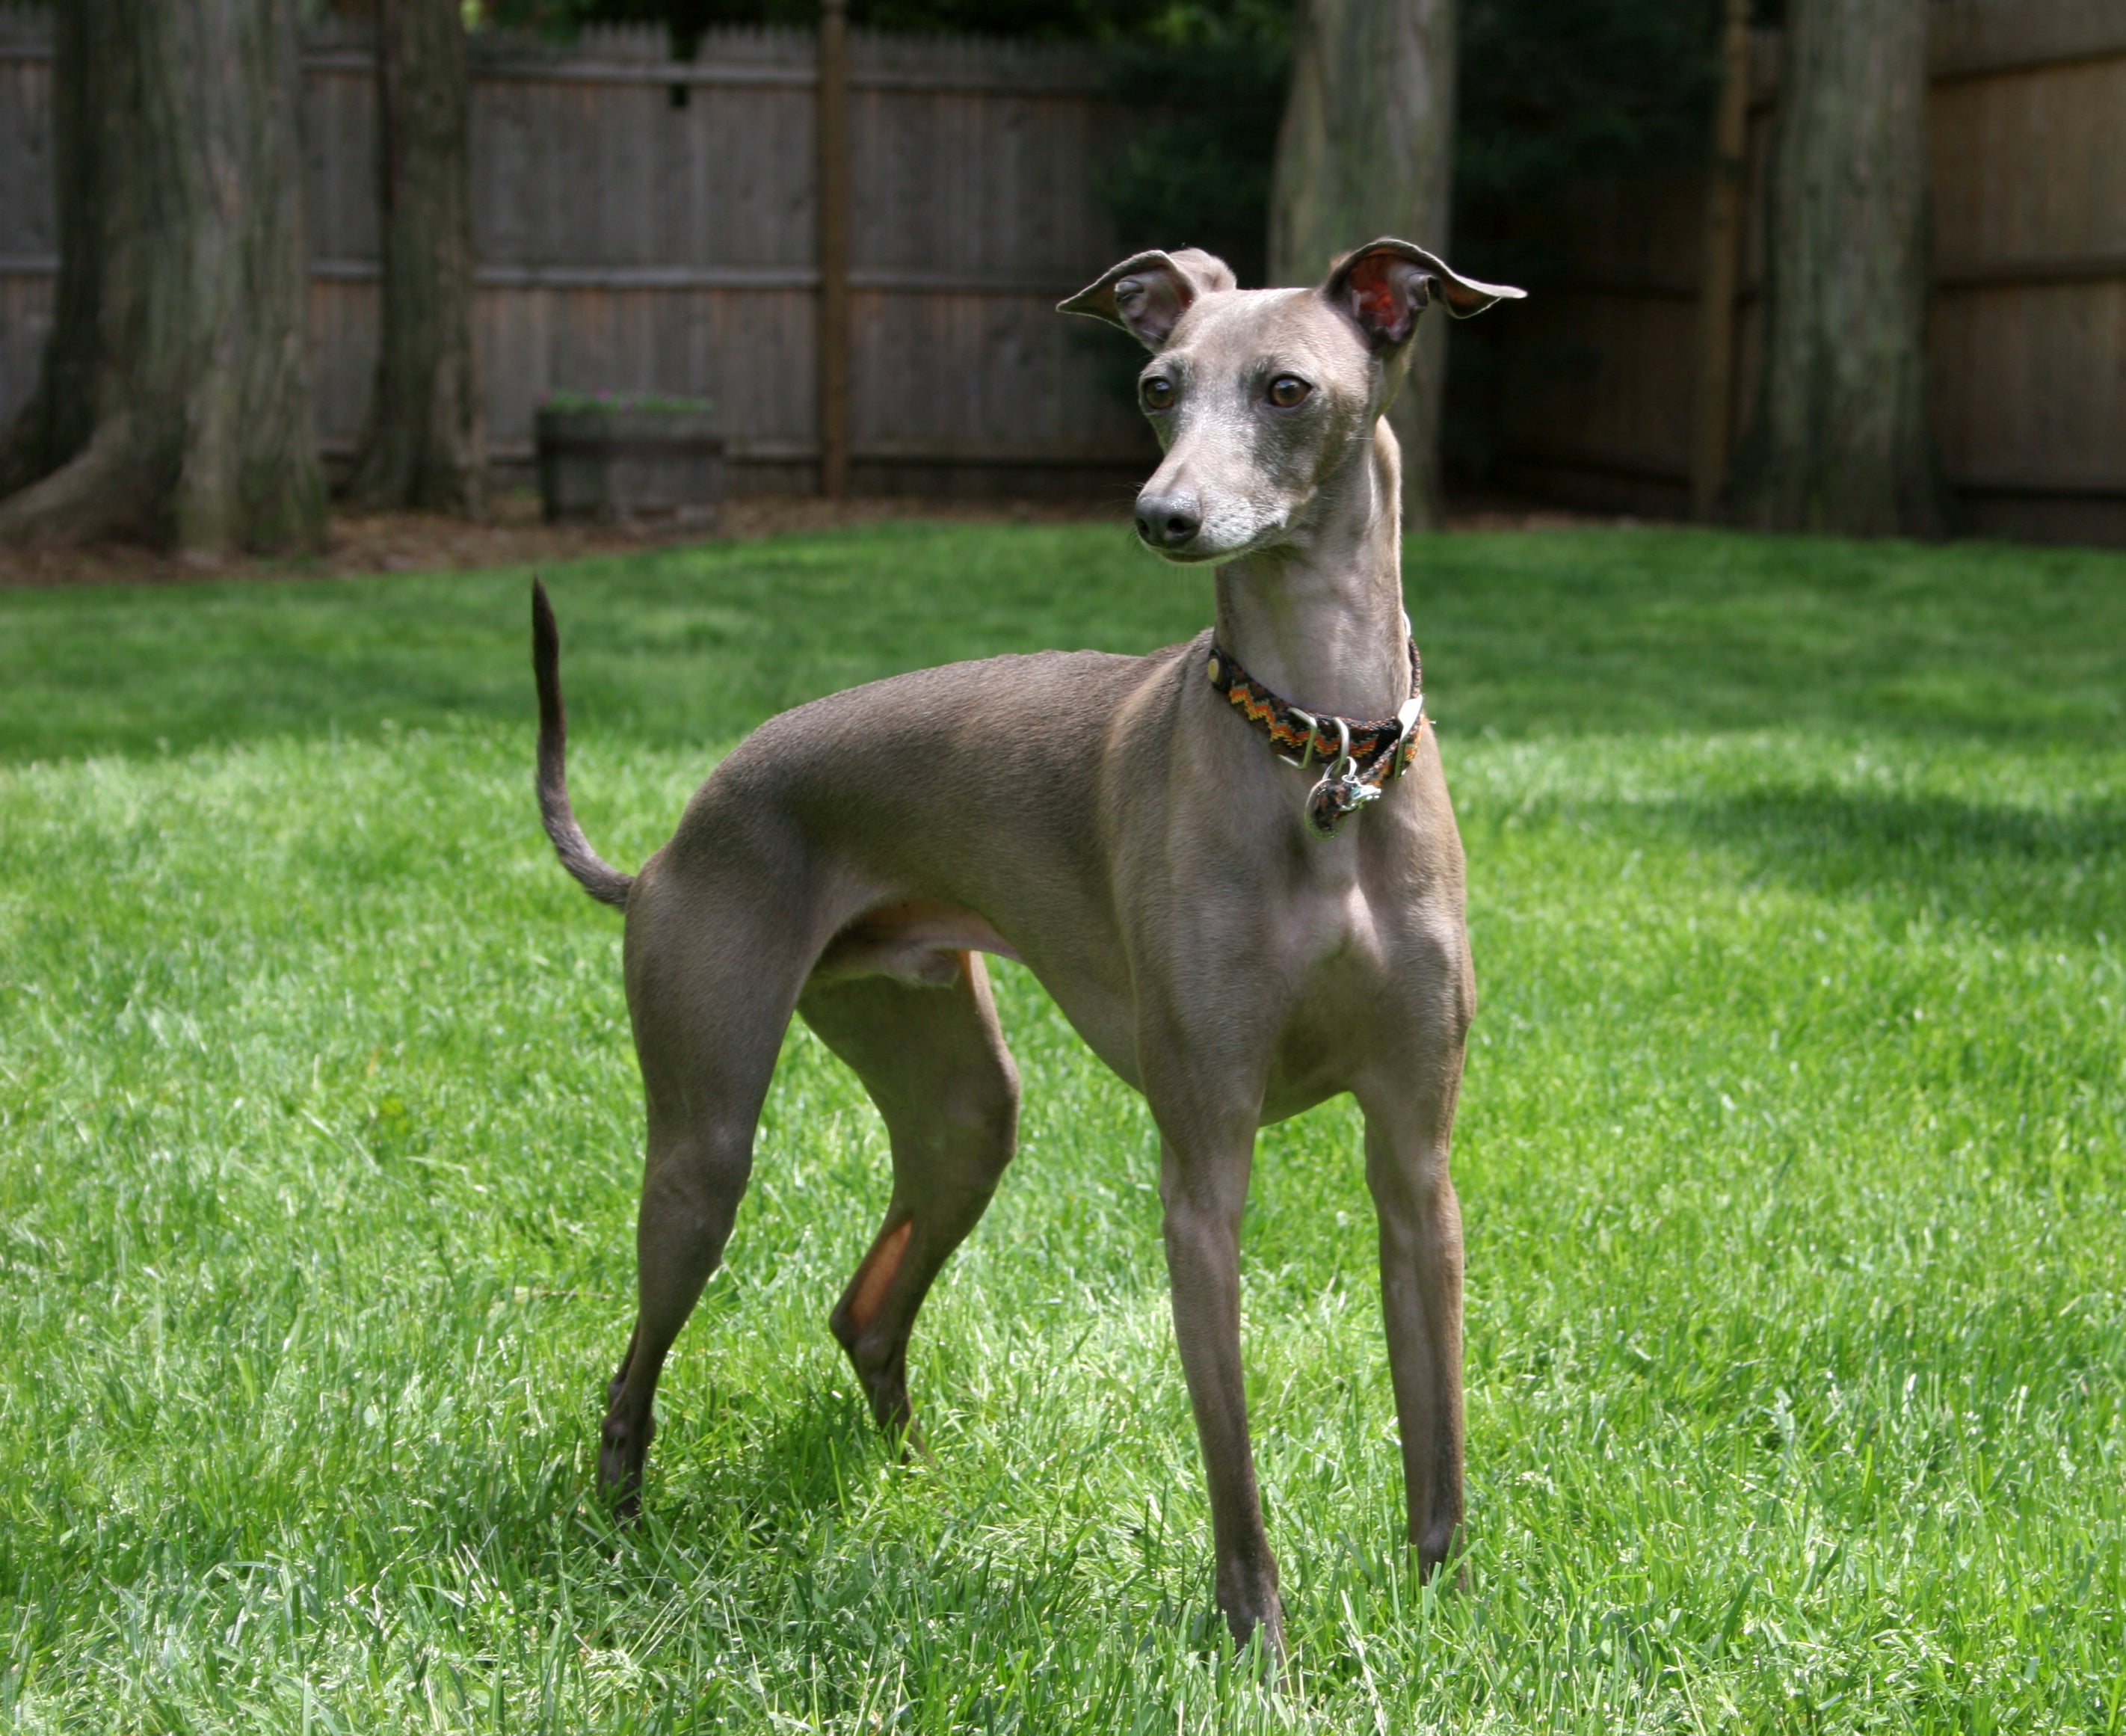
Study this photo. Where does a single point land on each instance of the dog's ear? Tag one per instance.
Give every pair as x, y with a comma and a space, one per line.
1385, 285
1147, 294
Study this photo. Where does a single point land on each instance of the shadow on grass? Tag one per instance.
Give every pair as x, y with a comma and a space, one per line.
1555, 632
2019, 870
766, 1468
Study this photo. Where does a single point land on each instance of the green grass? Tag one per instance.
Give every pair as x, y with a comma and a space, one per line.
1792, 1154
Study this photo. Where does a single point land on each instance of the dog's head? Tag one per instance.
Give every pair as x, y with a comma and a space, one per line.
1259, 395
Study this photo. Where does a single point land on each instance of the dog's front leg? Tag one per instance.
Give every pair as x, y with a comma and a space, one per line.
1420, 1232
1203, 1183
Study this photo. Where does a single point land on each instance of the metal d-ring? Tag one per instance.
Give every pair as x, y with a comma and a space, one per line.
1313, 734
1341, 770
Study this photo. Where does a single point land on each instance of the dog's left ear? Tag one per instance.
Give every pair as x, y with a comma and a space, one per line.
1147, 294
1385, 285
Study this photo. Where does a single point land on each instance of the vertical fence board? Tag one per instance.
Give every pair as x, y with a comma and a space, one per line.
28, 237
25, 316
343, 350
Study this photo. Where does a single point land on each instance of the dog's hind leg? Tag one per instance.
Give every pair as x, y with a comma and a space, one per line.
710, 1002
935, 1061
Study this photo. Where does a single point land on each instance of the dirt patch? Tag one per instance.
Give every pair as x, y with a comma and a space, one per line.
1543, 518
513, 535
1500, 510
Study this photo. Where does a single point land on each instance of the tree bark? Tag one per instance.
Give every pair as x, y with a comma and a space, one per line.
1366, 150
1841, 440
173, 402
424, 445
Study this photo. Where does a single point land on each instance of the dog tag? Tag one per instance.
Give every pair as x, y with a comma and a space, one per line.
1333, 800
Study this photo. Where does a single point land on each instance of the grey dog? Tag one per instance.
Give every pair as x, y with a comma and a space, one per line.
1237, 941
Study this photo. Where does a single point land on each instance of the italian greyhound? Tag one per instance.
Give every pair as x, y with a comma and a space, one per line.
1237, 940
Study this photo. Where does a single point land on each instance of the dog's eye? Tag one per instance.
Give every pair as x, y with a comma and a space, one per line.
1287, 390
1158, 394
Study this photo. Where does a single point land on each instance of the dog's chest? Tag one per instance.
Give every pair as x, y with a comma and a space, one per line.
1352, 948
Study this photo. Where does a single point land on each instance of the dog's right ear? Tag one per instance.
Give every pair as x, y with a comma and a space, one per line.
1147, 294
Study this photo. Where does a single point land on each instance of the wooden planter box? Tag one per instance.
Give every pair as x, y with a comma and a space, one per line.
623, 461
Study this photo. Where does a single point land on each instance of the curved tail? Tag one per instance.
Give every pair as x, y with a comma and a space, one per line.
599, 877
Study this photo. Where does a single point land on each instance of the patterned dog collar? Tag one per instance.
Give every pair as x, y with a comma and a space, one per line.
1362, 753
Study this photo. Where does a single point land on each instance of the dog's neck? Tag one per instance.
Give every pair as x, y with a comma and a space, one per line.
1319, 618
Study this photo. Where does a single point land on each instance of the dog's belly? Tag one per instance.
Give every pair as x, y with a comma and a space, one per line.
1353, 981
918, 941
924, 942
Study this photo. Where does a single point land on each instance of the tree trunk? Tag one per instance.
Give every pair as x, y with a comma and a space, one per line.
1366, 150
424, 445
1841, 440
174, 401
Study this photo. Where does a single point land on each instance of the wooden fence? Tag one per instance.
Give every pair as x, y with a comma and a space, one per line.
2028, 116
647, 224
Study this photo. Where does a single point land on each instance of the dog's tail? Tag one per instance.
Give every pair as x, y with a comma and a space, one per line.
599, 877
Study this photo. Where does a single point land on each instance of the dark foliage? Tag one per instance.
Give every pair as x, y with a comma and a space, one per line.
1552, 90
1049, 19
1209, 82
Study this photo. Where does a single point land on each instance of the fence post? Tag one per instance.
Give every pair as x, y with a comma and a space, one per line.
1712, 415
833, 306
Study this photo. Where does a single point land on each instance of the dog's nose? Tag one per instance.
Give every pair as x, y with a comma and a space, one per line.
1167, 523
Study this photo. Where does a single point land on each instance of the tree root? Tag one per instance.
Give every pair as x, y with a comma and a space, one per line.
99, 495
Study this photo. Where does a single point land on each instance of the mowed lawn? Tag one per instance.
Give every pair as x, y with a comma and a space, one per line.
1792, 1155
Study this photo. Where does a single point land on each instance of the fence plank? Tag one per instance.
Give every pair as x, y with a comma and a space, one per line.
27, 225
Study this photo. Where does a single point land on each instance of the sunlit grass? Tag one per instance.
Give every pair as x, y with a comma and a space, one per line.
1792, 1155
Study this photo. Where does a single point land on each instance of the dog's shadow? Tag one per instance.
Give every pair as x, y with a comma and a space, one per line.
746, 1469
